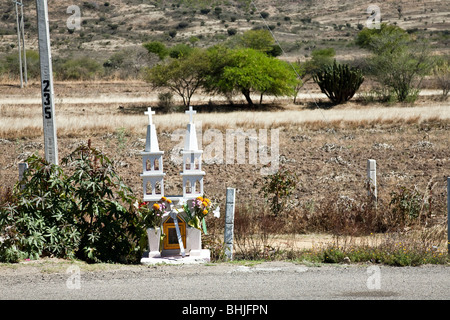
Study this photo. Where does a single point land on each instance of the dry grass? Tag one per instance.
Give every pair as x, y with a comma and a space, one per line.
25, 121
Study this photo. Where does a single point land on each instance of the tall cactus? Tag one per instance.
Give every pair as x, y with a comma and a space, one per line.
339, 81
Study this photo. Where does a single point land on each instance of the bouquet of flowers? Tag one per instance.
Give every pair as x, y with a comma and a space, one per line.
152, 217
197, 209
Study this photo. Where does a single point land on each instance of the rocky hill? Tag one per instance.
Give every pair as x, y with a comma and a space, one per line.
298, 25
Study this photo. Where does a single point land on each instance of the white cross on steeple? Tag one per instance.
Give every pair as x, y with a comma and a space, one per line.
191, 113
149, 112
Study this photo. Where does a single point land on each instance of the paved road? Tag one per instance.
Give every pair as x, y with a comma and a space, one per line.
266, 281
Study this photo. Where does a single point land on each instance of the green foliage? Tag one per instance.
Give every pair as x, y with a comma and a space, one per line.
319, 59
10, 64
339, 82
157, 48
109, 226
180, 50
249, 70
83, 68
89, 214
260, 40
182, 75
399, 62
39, 221
306, 69
442, 73
172, 33
277, 189
231, 31
406, 203
367, 38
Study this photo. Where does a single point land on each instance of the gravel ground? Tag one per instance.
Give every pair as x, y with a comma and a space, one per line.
223, 281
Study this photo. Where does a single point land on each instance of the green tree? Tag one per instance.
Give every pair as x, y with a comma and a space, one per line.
180, 50
249, 71
183, 75
398, 62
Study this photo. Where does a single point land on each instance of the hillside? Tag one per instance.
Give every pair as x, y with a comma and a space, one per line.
299, 26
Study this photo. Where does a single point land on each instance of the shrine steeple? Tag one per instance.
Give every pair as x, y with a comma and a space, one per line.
192, 161
152, 163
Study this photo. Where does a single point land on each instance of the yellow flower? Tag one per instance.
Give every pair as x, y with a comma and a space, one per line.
156, 206
205, 212
200, 198
164, 199
169, 201
205, 204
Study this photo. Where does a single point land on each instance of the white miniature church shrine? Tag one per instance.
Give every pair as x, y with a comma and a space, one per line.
181, 242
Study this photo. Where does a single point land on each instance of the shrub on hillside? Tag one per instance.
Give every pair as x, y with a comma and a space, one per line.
78, 69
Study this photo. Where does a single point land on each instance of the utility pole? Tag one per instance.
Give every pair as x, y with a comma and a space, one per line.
19, 44
23, 45
48, 104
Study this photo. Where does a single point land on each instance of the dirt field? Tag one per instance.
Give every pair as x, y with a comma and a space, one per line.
329, 154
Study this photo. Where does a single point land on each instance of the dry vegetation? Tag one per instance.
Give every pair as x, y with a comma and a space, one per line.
326, 147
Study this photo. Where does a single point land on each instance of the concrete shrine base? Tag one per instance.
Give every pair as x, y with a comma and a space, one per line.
195, 257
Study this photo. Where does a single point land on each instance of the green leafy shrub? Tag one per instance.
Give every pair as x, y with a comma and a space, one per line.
38, 221
277, 188
89, 214
406, 203
339, 81
106, 214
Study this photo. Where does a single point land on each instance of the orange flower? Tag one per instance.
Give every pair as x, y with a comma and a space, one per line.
169, 201
156, 206
205, 204
200, 198
164, 199
205, 212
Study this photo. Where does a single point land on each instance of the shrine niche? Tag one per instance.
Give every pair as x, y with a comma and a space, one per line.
170, 241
